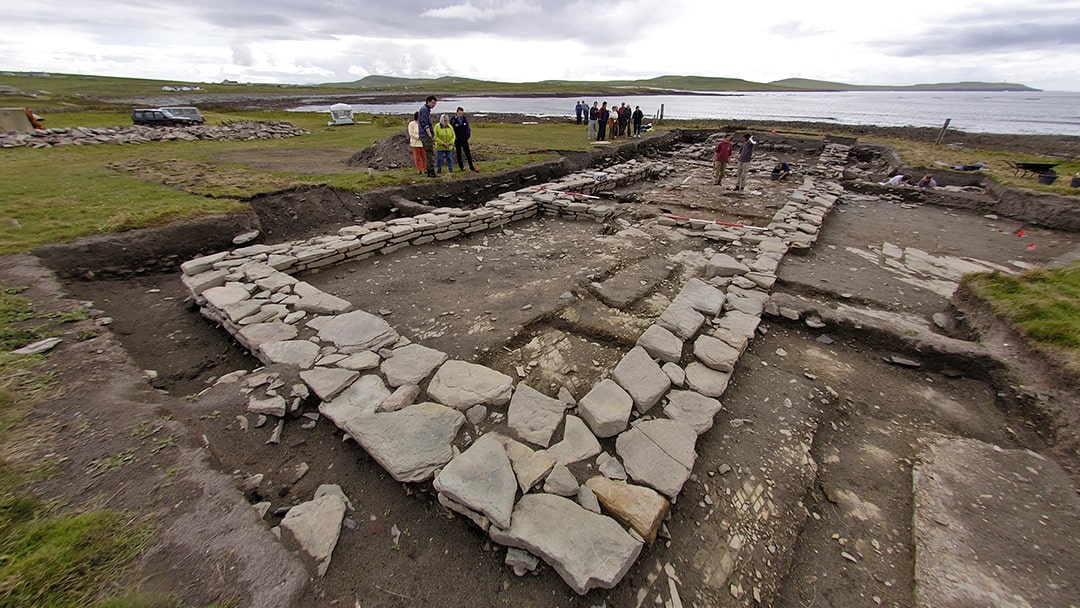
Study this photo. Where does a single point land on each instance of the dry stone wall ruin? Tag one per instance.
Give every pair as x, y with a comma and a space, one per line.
407, 404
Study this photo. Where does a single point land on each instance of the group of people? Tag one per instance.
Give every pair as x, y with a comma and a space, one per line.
609, 123
722, 155
435, 143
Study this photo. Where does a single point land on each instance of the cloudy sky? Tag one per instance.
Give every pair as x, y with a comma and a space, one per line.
309, 41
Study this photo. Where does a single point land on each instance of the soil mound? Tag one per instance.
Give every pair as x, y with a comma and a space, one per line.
392, 152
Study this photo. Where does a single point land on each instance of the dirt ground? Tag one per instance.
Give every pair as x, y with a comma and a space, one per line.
554, 304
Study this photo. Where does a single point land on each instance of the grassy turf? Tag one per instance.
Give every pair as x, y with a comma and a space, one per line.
1042, 304
47, 557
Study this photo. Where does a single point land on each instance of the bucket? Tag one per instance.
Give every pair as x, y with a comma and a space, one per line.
1047, 178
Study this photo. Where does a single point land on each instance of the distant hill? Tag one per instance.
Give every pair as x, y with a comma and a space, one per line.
806, 84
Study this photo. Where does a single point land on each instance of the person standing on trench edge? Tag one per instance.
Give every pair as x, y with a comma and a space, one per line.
427, 134
746, 152
462, 133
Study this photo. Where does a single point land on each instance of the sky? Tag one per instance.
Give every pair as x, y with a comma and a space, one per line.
320, 41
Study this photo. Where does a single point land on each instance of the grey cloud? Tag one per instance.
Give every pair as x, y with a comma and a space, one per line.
987, 38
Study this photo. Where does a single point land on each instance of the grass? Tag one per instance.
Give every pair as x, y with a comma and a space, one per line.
1044, 305
47, 557
59, 194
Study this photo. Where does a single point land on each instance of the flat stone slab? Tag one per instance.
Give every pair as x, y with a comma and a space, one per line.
723, 265
462, 385
300, 353
658, 453
364, 396
639, 507
259, 333
642, 378
739, 323
357, 330
315, 526
681, 320
661, 344
411, 364
702, 297
606, 409
693, 409
327, 382
410, 443
586, 549
530, 466
633, 282
533, 416
993, 527
225, 295
715, 353
482, 479
706, 380
578, 443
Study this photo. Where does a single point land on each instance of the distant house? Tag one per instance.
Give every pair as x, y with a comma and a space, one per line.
230, 82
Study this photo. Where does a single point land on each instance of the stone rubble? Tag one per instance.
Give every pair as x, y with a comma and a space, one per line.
138, 134
495, 481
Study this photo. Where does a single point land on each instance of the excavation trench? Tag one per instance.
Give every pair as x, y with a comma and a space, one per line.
556, 304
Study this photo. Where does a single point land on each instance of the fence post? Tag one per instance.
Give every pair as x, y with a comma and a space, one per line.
941, 136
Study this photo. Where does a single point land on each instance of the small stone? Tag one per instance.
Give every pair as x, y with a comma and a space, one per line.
38, 347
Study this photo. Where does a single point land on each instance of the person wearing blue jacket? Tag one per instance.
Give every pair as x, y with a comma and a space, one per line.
462, 133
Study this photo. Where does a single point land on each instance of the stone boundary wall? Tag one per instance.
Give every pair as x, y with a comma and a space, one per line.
138, 134
518, 487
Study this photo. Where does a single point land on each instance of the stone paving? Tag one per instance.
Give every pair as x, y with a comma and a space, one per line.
138, 134
518, 486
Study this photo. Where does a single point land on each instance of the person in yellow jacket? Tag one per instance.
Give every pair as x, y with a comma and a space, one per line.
444, 144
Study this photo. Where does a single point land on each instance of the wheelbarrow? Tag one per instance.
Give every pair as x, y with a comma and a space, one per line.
1025, 169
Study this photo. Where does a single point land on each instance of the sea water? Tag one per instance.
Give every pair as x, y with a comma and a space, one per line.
1020, 112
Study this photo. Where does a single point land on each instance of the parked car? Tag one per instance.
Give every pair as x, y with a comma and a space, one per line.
157, 117
187, 111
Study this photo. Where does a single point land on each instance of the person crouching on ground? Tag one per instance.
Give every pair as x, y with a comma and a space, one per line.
720, 161
419, 158
780, 171
462, 133
928, 181
444, 144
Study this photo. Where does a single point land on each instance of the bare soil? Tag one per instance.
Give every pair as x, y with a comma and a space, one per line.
554, 304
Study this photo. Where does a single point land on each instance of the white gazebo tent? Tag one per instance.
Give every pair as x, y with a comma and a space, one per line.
340, 114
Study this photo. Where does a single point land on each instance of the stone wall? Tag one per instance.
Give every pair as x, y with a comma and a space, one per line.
406, 404
137, 134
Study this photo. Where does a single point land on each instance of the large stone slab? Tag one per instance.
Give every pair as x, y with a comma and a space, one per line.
327, 382
681, 320
702, 297
300, 353
739, 323
364, 396
315, 526
259, 333
993, 527
693, 409
530, 466
534, 416
462, 385
578, 443
636, 506
411, 364
225, 295
661, 343
716, 353
410, 443
642, 378
482, 479
723, 265
706, 380
633, 282
658, 453
586, 549
606, 409
357, 330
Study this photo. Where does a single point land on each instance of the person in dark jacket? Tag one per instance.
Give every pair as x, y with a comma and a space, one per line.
577, 110
637, 116
594, 116
427, 133
746, 153
602, 120
462, 133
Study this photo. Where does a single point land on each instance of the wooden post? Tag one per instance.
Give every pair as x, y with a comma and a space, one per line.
661, 112
941, 136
